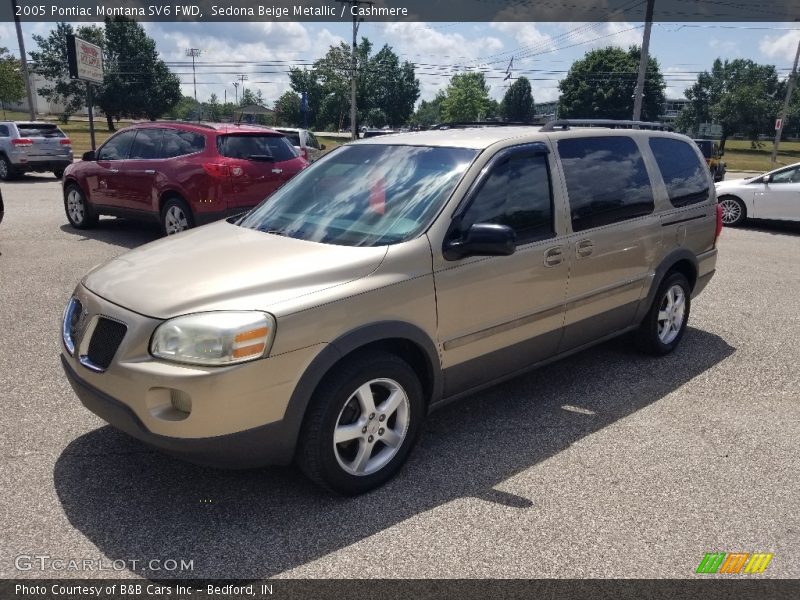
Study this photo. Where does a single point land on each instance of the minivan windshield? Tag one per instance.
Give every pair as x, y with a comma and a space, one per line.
364, 195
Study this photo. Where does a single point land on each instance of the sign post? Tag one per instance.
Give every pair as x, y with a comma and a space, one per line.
86, 63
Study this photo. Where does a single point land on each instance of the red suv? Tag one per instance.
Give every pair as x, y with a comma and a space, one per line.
182, 174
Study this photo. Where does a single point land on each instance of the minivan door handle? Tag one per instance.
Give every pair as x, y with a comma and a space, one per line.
553, 256
150, 171
584, 248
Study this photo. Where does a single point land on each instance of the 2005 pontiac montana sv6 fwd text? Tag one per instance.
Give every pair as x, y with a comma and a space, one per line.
392, 275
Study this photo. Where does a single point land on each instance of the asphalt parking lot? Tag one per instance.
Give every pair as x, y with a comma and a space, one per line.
607, 464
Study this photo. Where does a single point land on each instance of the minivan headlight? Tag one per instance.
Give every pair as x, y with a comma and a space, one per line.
214, 338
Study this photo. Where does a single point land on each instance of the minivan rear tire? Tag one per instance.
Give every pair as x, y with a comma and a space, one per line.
662, 329
337, 407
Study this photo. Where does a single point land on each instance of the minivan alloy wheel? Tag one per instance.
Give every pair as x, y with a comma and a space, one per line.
371, 427
670, 314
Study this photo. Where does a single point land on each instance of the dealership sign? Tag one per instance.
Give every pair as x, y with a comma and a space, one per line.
85, 60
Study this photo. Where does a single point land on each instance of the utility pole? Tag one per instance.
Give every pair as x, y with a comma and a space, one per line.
23, 61
354, 62
789, 90
643, 60
236, 91
242, 79
194, 53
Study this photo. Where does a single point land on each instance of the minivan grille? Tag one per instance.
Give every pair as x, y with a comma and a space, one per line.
106, 339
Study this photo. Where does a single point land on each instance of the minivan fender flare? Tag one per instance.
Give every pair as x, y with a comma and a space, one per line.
668, 263
342, 347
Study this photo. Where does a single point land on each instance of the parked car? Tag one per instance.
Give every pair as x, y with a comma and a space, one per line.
179, 174
713, 156
393, 275
2, 207
370, 133
304, 141
773, 195
33, 146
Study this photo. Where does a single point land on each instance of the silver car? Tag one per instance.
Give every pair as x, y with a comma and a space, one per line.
33, 146
304, 142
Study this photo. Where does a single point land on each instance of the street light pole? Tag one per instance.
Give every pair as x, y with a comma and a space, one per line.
236, 91
23, 61
643, 60
194, 53
782, 122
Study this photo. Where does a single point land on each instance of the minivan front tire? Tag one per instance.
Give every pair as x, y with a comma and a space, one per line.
665, 323
361, 424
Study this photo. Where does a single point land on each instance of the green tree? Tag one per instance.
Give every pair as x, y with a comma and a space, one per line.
12, 84
702, 95
50, 61
287, 110
392, 89
739, 95
137, 82
466, 98
386, 89
212, 108
601, 86
303, 80
429, 112
517, 104
184, 109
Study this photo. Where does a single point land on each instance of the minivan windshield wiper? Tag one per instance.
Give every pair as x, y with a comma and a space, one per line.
264, 157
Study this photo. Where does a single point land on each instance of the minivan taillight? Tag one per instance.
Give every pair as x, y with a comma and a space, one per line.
21, 142
719, 224
65, 142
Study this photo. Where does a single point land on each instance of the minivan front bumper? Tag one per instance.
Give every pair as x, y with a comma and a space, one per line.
260, 446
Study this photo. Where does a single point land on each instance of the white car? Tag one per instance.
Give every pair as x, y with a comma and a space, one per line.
773, 195
304, 142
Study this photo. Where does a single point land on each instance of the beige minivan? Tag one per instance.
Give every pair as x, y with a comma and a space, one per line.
393, 275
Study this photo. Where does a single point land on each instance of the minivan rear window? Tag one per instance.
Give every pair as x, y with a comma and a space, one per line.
39, 130
255, 146
686, 177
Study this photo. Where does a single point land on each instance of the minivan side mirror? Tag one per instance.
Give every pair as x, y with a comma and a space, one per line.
88, 155
322, 146
482, 239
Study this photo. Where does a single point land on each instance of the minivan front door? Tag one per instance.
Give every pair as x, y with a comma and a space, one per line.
499, 314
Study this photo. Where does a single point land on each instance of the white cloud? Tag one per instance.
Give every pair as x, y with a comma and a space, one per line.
780, 46
238, 46
525, 34
441, 53
728, 47
599, 35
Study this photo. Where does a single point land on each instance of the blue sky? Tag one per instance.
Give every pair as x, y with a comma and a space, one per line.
543, 52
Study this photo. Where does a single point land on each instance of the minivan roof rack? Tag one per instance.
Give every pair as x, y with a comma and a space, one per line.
565, 124
467, 124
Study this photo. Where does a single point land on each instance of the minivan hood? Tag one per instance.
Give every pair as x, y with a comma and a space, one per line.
226, 267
